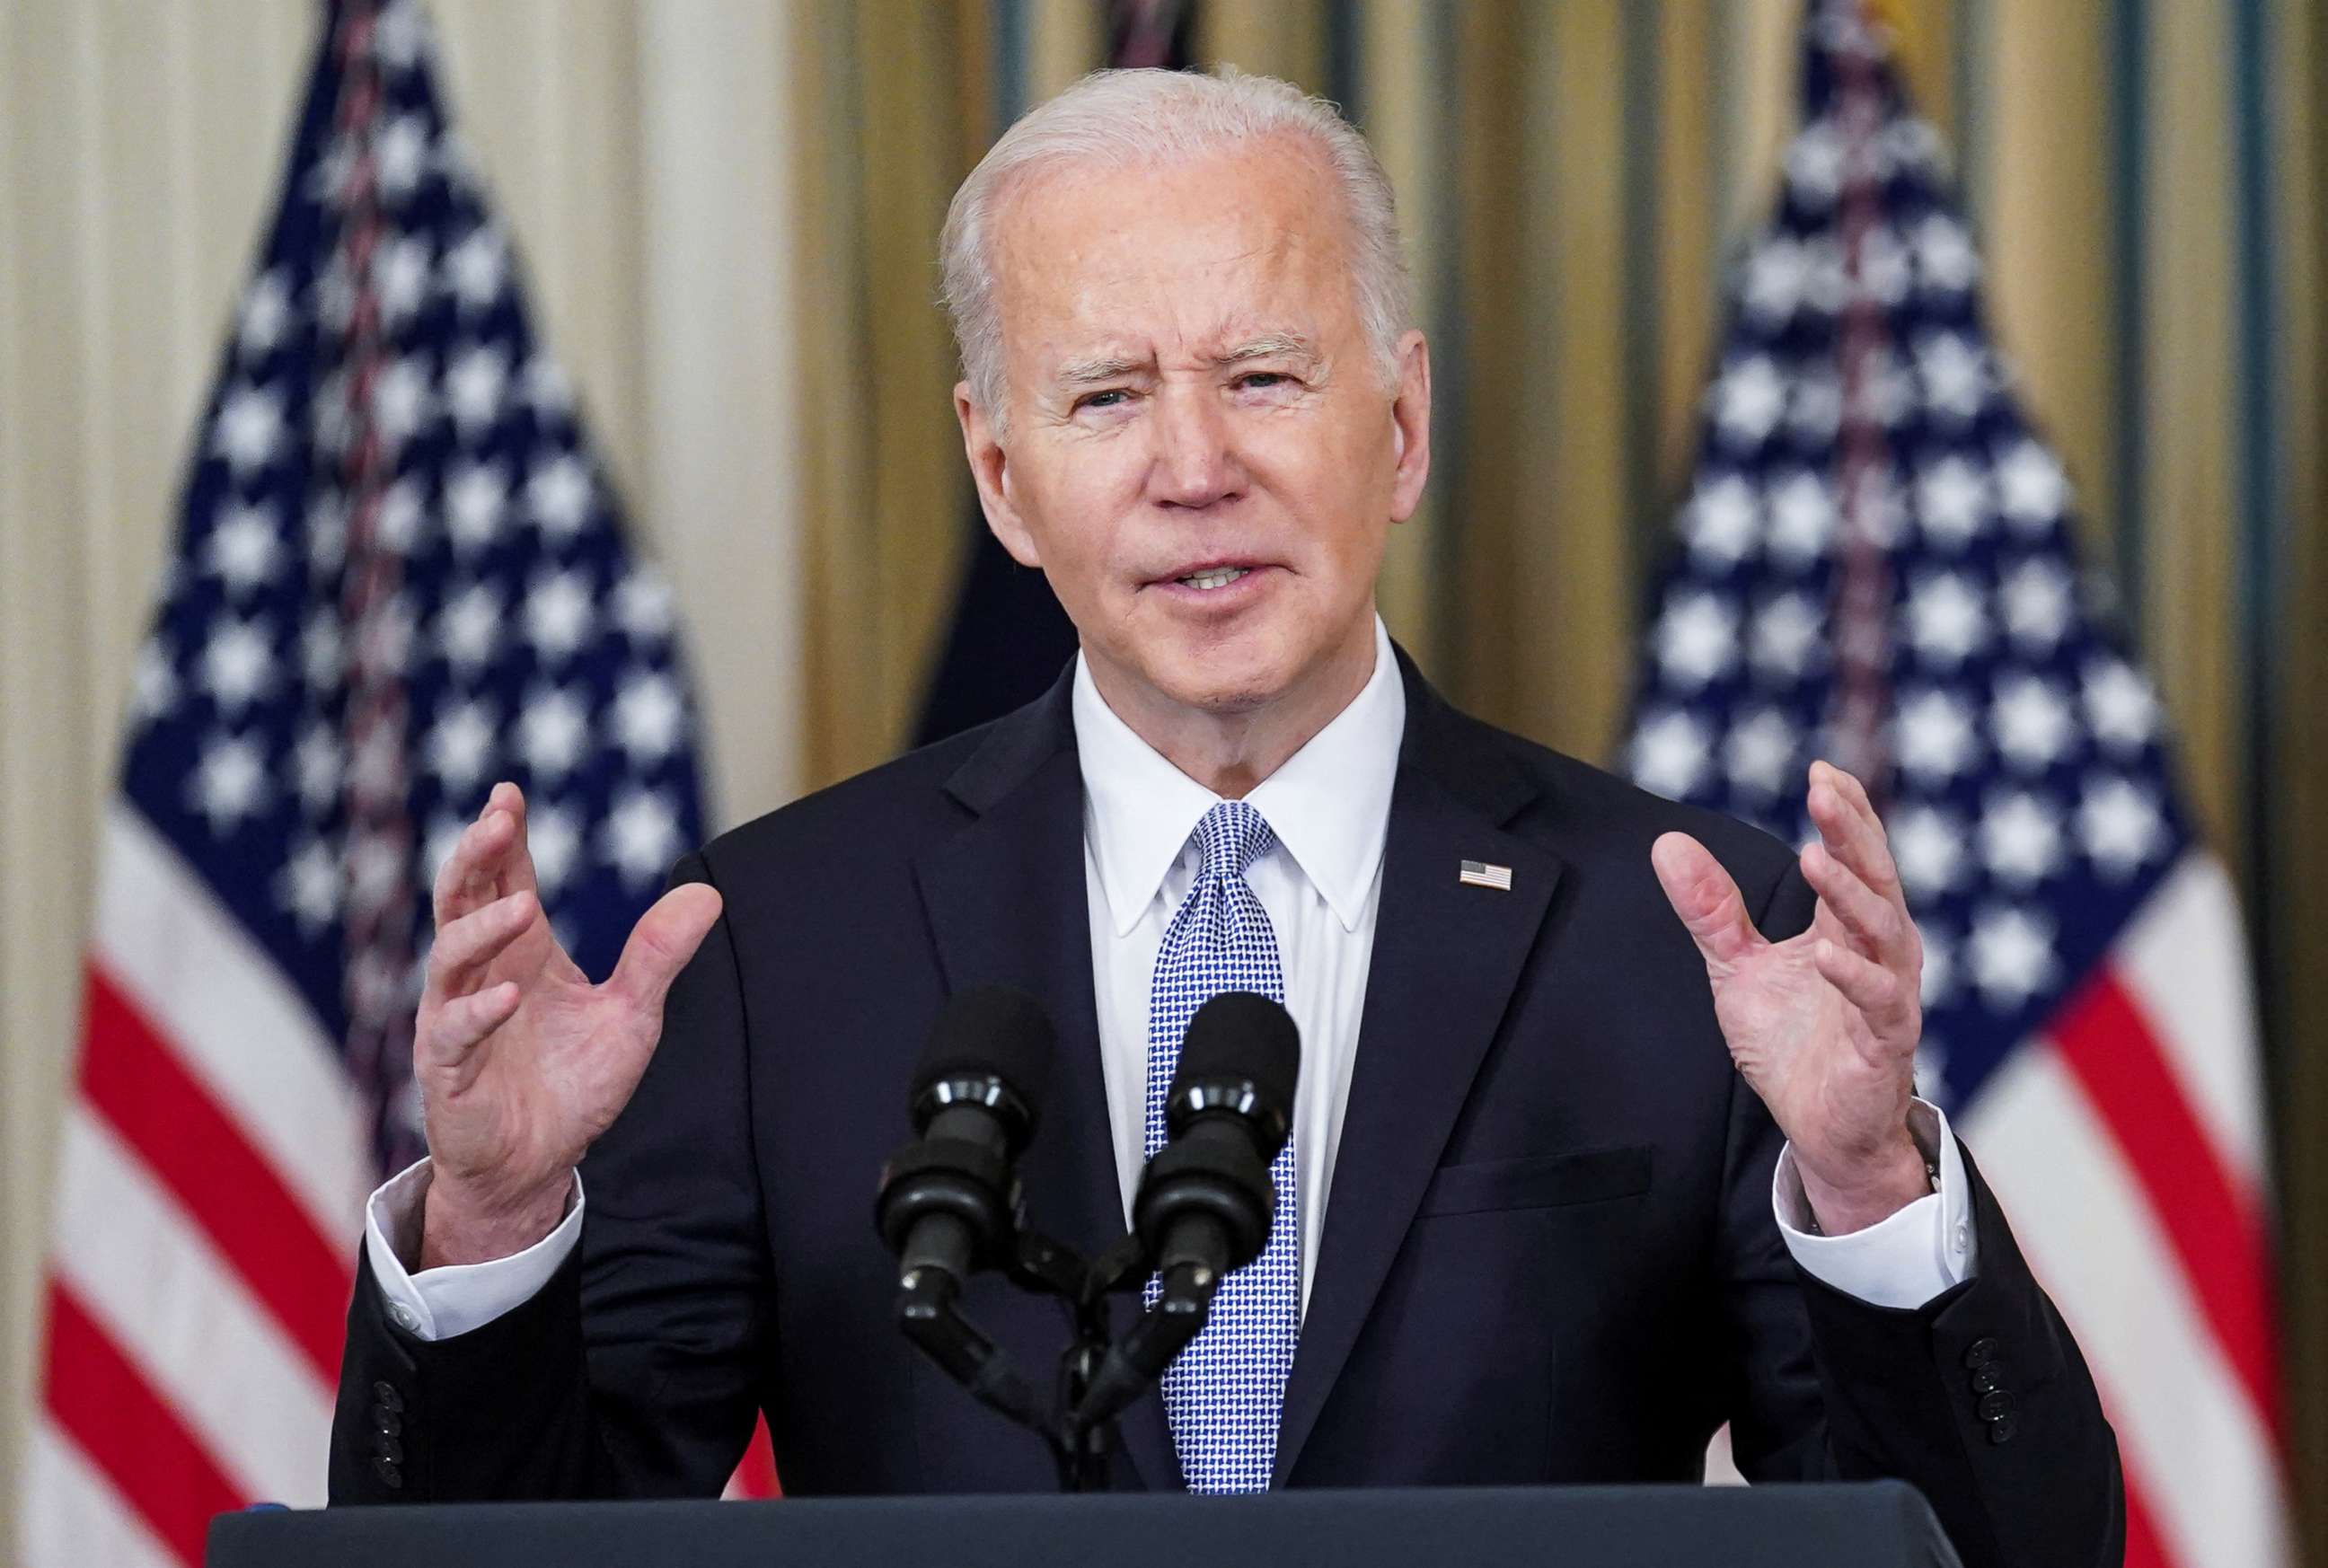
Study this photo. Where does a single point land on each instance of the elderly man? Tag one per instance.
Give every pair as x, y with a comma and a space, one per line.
1604, 1132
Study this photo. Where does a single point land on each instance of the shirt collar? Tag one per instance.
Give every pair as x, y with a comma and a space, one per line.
1329, 803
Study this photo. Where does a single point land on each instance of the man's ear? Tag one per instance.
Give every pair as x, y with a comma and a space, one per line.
1410, 413
989, 470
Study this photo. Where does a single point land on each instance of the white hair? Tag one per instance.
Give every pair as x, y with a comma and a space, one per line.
1131, 118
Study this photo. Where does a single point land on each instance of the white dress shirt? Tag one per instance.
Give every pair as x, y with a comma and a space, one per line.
1322, 882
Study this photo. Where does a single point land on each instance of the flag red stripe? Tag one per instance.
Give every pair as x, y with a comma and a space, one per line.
2213, 1227
105, 1404
2142, 1547
132, 1078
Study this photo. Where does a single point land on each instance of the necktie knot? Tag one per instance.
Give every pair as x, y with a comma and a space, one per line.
1230, 838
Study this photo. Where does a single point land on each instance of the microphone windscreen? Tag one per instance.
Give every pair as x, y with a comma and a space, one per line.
991, 1028
1240, 1034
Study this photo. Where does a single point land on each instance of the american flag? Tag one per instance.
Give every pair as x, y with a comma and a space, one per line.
398, 578
1876, 565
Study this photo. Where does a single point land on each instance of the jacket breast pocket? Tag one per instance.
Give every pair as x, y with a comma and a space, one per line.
1537, 1181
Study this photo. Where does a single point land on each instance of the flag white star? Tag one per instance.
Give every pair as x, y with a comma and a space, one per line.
1786, 635
1946, 261
2031, 721
315, 764
1670, 753
2119, 824
469, 628
640, 838
1927, 845
1815, 165
554, 838
1885, 392
309, 886
2012, 955
642, 605
558, 492
2032, 489
376, 771
401, 520
1952, 502
1815, 407
2039, 599
1935, 740
376, 863
1931, 1069
327, 532
552, 730
154, 683
461, 745
1697, 639
250, 429
2019, 838
1722, 520
648, 717
329, 417
1774, 275
384, 638
476, 386
229, 782
2120, 706
547, 389
1884, 270
557, 611
402, 150
237, 661
400, 271
1946, 620
1759, 754
245, 548
476, 495
476, 270
265, 316
402, 402
1749, 399
1802, 519
399, 35
1938, 981
321, 655
1955, 372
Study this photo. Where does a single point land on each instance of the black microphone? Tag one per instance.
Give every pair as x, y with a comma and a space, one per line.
950, 1201
1206, 1199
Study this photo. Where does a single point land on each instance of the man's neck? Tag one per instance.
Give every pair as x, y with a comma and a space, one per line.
1230, 753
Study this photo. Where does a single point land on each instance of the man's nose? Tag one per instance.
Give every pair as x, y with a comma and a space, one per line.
1195, 464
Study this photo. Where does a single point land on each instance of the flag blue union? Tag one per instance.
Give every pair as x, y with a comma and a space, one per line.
400, 576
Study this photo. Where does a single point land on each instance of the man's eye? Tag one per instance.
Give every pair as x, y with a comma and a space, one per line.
1107, 399
1264, 380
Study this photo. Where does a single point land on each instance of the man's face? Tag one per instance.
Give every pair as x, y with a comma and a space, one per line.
1202, 457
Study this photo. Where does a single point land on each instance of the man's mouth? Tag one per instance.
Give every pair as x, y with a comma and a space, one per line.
1213, 578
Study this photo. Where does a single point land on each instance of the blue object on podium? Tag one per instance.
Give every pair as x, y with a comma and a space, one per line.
1871, 1524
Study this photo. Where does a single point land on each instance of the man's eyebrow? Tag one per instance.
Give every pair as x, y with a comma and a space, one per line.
1102, 368
1269, 345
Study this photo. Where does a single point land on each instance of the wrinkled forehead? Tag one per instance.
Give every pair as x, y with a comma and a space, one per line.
1187, 256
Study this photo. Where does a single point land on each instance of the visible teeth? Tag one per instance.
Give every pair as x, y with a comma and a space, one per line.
1219, 578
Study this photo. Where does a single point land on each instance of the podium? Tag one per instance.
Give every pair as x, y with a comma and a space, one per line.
1871, 1524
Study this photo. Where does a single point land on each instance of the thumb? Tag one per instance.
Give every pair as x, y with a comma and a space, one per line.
1703, 894
662, 942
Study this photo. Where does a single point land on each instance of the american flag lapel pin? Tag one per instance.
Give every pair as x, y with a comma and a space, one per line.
1479, 874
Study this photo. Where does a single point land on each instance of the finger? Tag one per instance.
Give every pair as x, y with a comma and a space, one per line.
1883, 997
1879, 928
1706, 898
1852, 832
515, 872
465, 880
461, 1023
662, 942
458, 958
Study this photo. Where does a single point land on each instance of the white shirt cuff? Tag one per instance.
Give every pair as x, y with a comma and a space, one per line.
1927, 1248
440, 1303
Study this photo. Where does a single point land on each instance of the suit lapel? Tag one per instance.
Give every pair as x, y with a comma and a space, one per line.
1446, 958
1006, 903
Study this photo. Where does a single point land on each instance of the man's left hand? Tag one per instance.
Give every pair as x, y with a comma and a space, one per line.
1824, 1025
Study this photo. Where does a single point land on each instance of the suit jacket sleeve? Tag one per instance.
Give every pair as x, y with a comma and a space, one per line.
649, 1391
1833, 1387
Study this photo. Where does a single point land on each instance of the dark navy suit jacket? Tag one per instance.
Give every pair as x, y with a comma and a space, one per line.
1549, 1253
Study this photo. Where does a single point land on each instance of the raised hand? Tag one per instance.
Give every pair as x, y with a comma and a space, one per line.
522, 1062
1824, 1025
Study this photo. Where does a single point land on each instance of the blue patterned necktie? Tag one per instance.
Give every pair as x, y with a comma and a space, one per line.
1225, 1392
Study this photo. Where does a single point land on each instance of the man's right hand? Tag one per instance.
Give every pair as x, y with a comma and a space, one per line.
521, 1062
